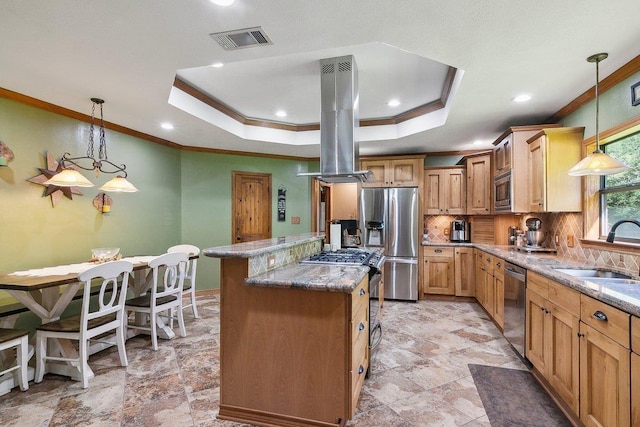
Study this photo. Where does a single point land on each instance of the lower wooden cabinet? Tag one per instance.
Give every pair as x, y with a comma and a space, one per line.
464, 272
438, 274
635, 371
490, 285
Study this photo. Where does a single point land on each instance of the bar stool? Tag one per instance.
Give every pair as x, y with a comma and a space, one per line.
18, 339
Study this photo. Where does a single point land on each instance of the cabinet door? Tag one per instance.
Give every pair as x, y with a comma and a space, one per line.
479, 278
405, 172
479, 185
454, 191
605, 392
438, 275
433, 187
635, 389
502, 155
464, 272
564, 359
536, 331
378, 170
536, 175
498, 293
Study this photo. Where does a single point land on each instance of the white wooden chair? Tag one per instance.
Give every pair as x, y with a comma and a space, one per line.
165, 294
189, 286
94, 319
18, 339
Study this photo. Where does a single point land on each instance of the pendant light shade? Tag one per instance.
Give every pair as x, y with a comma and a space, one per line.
120, 185
69, 178
598, 163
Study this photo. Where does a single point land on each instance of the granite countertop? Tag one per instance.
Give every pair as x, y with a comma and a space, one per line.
259, 247
623, 296
315, 277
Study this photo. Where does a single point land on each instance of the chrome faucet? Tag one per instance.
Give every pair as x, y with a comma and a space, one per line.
612, 233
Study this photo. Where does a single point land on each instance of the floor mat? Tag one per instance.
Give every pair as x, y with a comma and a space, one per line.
513, 398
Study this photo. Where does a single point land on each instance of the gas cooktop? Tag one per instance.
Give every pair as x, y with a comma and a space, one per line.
341, 256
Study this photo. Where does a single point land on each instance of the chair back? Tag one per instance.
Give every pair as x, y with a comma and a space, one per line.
113, 290
192, 265
171, 266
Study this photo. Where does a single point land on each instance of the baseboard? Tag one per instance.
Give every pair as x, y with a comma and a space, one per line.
566, 410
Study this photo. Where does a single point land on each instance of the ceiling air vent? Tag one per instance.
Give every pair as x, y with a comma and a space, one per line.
239, 39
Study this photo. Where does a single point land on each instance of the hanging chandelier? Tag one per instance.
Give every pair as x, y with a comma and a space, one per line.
70, 177
598, 162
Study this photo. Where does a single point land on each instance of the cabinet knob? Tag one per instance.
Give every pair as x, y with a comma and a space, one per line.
362, 292
360, 369
498, 264
361, 326
600, 316
580, 335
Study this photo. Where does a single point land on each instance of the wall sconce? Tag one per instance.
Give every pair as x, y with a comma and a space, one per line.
6, 155
72, 178
103, 203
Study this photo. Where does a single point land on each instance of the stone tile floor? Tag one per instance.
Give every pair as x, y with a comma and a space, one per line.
419, 375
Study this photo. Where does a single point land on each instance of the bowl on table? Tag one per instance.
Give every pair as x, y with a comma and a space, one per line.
104, 254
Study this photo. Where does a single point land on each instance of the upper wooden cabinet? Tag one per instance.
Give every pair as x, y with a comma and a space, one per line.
552, 152
444, 191
397, 172
510, 156
479, 185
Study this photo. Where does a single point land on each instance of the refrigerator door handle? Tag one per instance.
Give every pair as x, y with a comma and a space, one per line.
401, 260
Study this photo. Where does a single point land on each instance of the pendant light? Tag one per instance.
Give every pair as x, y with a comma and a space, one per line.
72, 178
598, 163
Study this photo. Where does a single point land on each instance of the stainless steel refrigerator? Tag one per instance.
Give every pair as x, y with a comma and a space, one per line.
389, 219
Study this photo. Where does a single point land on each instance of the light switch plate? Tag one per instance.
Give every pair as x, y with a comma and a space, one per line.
295, 220
271, 261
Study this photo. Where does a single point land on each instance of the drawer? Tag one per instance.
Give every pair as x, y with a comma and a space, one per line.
538, 284
498, 264
437, 251
360, 297
567, 298
614, 323
360, 327
358, 370
635, 334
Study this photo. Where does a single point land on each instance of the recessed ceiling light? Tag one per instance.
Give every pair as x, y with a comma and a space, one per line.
217, 65
478, 142
281, 113
223, 2
167, 126
393, 103
521, 98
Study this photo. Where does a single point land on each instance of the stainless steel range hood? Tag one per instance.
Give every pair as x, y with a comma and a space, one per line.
338, 121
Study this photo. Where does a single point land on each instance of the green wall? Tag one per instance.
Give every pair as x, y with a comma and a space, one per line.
185, 196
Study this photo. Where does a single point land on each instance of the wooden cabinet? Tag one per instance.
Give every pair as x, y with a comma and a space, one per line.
552, 152
479, 185
464, 272
397, 172
510, 155
438, 273
635, 371
498, 291
480, 271
445, 191
552, 327
484, 281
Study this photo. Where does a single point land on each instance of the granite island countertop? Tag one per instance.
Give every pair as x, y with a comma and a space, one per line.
260, 247
623, 296
315, 277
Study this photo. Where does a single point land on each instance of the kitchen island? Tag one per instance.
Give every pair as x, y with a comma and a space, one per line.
293, 337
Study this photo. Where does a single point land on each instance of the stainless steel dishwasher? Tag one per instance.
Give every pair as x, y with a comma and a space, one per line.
515, 279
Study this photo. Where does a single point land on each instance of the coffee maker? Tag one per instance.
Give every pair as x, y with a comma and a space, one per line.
460, 231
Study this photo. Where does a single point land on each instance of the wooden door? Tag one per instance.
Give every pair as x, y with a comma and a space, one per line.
536, 331
404, 172
635, 389
564, 359
251, 207
378, 168
479, 291
605, 392
464, 272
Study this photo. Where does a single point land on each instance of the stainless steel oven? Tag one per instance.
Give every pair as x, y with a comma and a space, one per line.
515, 279
502, 190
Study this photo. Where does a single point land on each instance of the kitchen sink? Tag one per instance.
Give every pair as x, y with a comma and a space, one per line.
612, 281
592, 273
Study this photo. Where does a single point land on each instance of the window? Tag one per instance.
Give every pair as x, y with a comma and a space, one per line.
620, 194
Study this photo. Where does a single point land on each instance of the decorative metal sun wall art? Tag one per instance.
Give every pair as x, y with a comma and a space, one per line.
53, 167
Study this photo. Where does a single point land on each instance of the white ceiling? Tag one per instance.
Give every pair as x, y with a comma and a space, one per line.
129, 53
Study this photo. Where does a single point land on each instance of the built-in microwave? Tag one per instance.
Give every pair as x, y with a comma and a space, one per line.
502, 193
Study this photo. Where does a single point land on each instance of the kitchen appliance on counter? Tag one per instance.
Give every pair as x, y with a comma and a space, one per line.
460, 231
535, 237
389, 218
515, 279
350, 233
374, 260
513, 235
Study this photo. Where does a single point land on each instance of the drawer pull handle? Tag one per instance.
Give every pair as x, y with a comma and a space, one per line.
361, 326
362, 292
438, 251
360, 369
600, 316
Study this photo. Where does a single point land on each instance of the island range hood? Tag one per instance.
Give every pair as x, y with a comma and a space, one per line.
339, 119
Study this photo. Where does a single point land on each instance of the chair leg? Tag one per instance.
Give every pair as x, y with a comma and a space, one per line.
183, 331
122, 352
193, 302
41, 354
154, 331
23, 360
84, 365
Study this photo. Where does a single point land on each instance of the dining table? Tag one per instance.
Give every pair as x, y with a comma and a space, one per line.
48, 291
